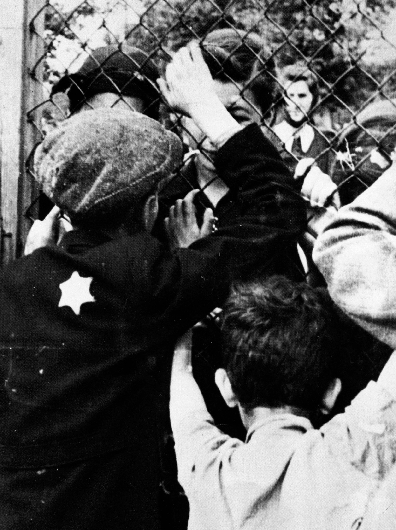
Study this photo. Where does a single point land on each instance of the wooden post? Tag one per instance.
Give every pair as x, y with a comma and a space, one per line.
34, 95
11, 64
15, 97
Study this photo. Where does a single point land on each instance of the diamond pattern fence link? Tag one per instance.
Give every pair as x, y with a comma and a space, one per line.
347, 47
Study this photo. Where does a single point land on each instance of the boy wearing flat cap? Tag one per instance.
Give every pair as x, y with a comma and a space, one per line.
88, 324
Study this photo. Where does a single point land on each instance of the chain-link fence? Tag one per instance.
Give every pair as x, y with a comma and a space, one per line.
344, 51
339, 55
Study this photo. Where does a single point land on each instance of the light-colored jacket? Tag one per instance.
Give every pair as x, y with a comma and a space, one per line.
289, 476
356, 254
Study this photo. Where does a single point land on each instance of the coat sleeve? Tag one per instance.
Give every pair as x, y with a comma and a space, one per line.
363, 436
266, 214
357, 256
177, 289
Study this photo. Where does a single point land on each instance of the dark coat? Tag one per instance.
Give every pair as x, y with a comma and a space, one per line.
80, 393
274, 258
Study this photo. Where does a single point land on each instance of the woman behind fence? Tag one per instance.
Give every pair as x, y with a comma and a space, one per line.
297, 130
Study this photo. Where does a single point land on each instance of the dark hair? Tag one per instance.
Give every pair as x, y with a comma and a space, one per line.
239, 56
281, 341
295, 73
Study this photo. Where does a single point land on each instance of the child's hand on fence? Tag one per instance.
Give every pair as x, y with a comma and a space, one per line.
188, 84
43, 233
320, 189
181, 225
317, 187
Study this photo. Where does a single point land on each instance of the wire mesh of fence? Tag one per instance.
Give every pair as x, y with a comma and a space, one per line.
342, 52
319, 76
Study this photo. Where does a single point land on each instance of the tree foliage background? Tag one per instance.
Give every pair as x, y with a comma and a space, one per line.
343, 41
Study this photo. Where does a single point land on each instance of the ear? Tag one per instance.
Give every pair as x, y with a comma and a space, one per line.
224, 385
330, 396
150, 212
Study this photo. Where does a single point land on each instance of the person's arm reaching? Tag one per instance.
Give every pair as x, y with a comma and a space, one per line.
364, 435
256, 232
268, 214
185, 395
317, 187
188, 88
357, 256
197, 440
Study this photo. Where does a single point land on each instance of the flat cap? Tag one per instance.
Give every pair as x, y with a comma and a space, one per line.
99, 163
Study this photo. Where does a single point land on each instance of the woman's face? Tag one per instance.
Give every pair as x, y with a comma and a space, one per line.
241, 105
298, 100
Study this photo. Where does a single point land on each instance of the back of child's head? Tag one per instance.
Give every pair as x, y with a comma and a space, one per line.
281, 344
241, 57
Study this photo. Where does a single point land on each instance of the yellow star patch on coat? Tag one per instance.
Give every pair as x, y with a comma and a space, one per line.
75, 292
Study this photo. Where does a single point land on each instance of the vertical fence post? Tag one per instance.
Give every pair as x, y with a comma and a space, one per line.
33, 96
15, 96
11, 89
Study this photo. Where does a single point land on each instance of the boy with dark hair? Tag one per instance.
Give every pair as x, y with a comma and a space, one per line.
280, 345
283, 347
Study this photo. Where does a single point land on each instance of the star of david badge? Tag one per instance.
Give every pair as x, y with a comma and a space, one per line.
75, 292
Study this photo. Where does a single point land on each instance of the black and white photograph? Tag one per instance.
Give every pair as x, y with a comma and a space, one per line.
198, 265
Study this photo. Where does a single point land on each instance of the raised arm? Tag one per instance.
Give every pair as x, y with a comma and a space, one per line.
266, 214
197, 439
256, 235
357, 256
185, 395
188, 88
